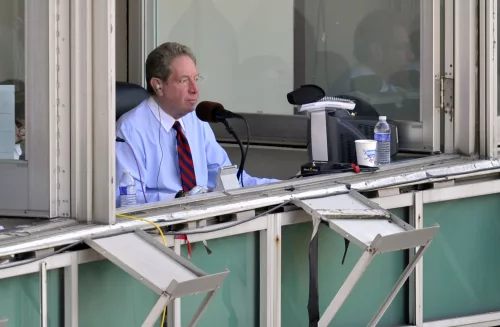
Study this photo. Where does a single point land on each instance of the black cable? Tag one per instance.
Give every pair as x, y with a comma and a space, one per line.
209, 230
21, 263
231, 131
246, 150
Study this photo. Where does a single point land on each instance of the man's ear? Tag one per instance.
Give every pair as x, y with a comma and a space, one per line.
157, 86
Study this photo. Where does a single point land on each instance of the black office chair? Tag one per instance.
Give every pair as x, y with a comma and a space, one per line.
128, 96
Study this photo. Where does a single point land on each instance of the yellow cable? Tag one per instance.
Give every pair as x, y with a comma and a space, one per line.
164, 243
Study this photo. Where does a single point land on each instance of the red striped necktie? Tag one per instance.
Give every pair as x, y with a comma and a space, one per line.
186, 166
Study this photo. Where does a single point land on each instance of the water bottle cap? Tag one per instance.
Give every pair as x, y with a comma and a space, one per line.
382, 118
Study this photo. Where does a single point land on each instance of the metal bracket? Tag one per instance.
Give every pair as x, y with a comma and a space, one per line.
446, 98
159, 268
375, 231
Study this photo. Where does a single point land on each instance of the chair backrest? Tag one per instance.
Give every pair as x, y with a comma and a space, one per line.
128, 96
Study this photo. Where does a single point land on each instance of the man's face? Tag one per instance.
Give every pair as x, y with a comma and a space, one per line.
179, 95
398, 54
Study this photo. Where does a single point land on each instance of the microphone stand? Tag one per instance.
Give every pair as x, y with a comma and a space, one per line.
231, 131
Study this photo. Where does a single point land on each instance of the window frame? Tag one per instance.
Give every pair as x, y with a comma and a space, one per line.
488, 79
39, 186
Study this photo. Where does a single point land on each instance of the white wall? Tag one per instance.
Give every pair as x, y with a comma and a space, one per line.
244, 49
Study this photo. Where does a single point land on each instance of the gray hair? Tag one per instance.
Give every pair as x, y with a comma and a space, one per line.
158, 63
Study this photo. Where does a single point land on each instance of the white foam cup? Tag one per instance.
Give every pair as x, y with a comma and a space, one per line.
365, 152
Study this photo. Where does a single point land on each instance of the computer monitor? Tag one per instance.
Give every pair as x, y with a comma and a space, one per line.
343, 130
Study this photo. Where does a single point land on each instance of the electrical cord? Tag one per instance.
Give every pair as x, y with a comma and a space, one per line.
246, 149
164, 243
17, 264
236, 223
161, 150
231, 131
119, 139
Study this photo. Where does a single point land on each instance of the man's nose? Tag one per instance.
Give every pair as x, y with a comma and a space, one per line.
193, 87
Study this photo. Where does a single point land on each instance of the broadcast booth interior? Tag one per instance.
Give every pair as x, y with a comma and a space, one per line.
283, 163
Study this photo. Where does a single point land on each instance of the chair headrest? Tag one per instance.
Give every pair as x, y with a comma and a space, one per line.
128, 96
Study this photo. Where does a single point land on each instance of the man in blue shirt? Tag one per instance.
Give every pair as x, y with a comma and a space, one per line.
175, 150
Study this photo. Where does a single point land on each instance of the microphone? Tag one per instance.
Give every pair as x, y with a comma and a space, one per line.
214, 112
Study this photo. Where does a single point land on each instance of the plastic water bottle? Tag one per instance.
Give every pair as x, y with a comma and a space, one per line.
127, 190
383, 137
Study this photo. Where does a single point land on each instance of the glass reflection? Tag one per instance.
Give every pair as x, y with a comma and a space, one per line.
363, 49
12, 111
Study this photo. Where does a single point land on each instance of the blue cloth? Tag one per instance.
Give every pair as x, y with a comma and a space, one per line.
155, 147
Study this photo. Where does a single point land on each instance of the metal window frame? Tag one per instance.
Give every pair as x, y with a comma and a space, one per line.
488, 75
466, 86
430, 51
141, 36
40, 186
93, 117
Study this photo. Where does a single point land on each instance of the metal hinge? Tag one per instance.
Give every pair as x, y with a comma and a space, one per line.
445, 98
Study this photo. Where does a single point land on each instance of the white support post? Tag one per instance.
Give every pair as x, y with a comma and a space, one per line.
174, 307
465, 88
81, 110
71, 292
429, 71
43, 294
416, 279
104, 111
60, 136
449, 74
270, 272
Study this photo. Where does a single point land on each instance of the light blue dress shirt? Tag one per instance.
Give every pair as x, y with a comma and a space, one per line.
149, 131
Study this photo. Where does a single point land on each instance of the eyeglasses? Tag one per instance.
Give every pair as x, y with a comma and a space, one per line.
186, 80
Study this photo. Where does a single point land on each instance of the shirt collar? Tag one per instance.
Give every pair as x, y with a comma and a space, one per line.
166, 120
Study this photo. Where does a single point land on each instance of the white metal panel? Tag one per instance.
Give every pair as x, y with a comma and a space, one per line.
60, 169
465, 87
103, 116
449, 72
430, 50
81, 110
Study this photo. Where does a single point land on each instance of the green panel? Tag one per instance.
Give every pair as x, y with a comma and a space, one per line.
462, 266
236, 303
108, 296
20, 299
367, 295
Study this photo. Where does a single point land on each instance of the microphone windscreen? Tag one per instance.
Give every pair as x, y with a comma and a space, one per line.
206, 110
305, 94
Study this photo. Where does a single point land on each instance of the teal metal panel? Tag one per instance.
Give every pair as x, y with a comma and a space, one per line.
108, 296
367, 295
237, 302
462, 265
20, 299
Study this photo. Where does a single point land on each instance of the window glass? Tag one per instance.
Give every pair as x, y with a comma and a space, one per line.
244, 49
365, 49
251, 59
12, 64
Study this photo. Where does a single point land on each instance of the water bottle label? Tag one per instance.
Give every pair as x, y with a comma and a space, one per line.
383, 137
123, 190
